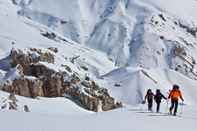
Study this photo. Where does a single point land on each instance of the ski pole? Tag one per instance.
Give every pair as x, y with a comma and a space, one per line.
181, 109
167, 105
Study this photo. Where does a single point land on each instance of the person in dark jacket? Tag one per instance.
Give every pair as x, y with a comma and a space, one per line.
149, 97
158, 97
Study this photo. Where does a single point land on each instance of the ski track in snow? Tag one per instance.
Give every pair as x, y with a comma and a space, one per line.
126, 119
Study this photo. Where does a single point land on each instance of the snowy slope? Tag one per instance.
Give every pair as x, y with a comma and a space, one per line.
30, 37
133, 84
133, 119
120, 28
128, 47
45, 106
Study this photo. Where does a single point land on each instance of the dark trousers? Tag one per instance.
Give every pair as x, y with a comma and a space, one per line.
158, 106
150, 105
174, 105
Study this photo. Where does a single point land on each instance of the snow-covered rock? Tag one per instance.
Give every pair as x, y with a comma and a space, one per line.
31, 78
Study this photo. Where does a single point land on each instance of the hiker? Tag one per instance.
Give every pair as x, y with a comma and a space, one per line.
174, 95
158, 97
149, 97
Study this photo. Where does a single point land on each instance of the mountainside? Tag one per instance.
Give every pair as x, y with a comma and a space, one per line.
74, 58
123, 29
148, 34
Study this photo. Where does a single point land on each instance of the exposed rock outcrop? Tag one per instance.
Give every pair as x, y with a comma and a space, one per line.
183, 62
31, 56
37, 79
24, 86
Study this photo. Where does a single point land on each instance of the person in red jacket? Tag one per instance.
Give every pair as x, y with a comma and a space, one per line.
175, 95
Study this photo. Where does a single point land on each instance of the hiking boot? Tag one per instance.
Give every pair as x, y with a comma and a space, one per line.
170, 112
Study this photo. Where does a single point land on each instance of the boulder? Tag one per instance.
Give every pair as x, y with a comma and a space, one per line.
53, 85
39, 70
54, 49
29, 57
35, 86
24, 87
26, 108
12, 97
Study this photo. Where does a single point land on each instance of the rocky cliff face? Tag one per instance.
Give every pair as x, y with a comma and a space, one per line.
36, 79
24, 86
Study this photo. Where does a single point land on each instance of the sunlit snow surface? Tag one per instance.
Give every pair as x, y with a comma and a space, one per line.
111, 38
